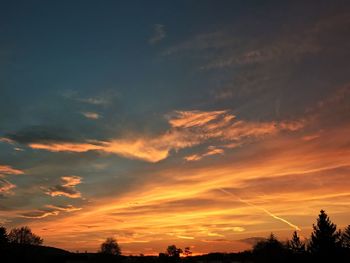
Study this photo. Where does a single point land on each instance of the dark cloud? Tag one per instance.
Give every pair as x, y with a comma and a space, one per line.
40, 134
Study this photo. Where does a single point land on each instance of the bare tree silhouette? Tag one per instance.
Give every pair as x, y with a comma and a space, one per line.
24, 235
187, 252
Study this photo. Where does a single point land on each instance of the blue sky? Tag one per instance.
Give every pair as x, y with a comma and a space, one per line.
154, 106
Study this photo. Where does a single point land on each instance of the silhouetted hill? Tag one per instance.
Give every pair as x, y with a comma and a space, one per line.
31, 253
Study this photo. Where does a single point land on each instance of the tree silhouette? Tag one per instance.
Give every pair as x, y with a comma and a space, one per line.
110, 246
324, 238
24, 235
269, 250
187, 252
173, 251
295, 244
3, 235
271, 243
345, 236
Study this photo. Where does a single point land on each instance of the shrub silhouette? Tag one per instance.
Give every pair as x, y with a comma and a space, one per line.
23, 236
269, 250
110, 246
187, 252
173, 251
3, 236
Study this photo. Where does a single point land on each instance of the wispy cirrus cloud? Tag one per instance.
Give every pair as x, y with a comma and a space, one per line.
158, 34
187, 119
7, 140
6, 169
66, 187
49, 210
284, 168
212, 150
95, 101
211, 40
91, 115
6, 187
222, 48
187, 129
102, 99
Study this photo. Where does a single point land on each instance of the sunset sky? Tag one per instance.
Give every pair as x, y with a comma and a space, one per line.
197, 123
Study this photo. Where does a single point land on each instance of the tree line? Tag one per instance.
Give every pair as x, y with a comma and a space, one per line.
326, 244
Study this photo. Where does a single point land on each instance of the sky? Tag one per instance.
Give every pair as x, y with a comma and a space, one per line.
205, 124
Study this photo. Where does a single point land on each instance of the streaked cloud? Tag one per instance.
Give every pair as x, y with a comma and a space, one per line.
204, 41
212, 150
187, 129
49, 210
6, 169
65, 147
102, 99
282, 168
91, 115
7, 140
66, 188
6, 187
187, 119
223, 48
95, 101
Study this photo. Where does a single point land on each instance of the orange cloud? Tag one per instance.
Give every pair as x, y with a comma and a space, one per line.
188, 128
91, 115
70, 181
65, 147
185, 201
6, 169
212, 150
66, 188
187, 119
49, 210
5, 187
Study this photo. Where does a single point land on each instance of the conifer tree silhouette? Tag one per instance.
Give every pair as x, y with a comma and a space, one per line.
295, 245
346, 237
324, 238
3, 235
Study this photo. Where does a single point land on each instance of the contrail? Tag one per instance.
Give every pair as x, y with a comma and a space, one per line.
262, 209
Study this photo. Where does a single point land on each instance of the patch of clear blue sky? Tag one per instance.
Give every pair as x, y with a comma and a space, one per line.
52, 47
